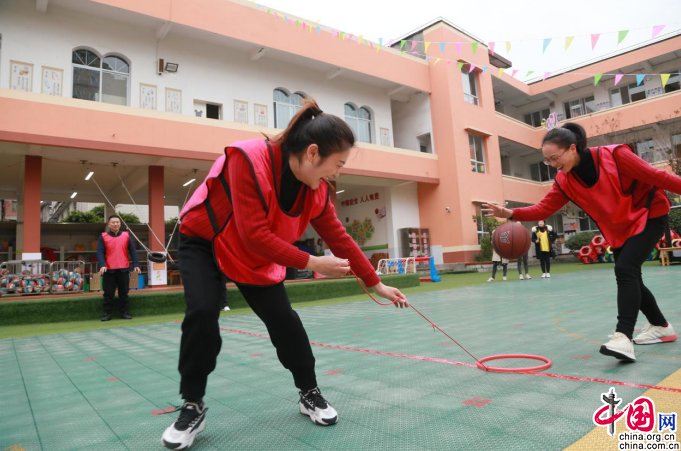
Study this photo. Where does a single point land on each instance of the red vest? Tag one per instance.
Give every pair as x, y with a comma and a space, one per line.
116, 247
213, 199
614, 211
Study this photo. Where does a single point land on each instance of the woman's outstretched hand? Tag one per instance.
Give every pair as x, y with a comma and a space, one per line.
329, 265
496, 210
392, 294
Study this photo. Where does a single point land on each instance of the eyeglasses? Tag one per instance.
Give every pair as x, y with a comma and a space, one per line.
553, 158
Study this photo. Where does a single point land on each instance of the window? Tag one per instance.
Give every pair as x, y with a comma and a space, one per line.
637, 93
542, 173
470, 85
480, 224
676, 146
535, 119
477, 150
100, 79
647, 151
619, 96
207, 109
586, 224
674, 82
359, 120
286, 106
579, 107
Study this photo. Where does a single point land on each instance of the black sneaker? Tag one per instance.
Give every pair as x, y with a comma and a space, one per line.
106, 317
126, 315
191, 421
313, 404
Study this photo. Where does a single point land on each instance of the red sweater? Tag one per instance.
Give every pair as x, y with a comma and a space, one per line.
631, 167
251, 222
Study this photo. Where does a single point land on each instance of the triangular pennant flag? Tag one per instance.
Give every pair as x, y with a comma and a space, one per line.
413, 45
402, 42
529, 72
297, 22
318, 29
335, 34
360, 40
547, 41
621, 35
618, 77
597, 78
639, 79
474, 46
664, 78
437, 60
500, 72
459, 46
304, 26
342, 35
657, 29
426, 44
546, 75
484, 68
269, 11
568, 41
508, 46
380, 42
491, 47
513, 72
594, 40
442, 47
460, 65
472, 68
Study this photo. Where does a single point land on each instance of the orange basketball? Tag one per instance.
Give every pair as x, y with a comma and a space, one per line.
511, 240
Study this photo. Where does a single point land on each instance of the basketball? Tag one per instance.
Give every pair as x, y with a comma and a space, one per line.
511, 240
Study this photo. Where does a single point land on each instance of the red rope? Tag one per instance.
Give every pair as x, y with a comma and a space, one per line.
479, 363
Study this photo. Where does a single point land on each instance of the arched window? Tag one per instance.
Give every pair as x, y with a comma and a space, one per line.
285, 106
100, 79
359, 120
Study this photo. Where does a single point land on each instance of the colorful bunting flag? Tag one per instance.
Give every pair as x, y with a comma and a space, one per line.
472, 68
402, 42
491, 47
665, 79
547, 41
508, 46
459, 46
621, 35
425, 46
618, 77
500, 72
657, 29
568, 41
639, 79
442, 47
513, 72
546, 75
594, 40
529, 72
460, 65
474, 46
597, 78
413, 45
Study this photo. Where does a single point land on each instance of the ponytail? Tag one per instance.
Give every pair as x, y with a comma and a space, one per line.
566, 135
311, 125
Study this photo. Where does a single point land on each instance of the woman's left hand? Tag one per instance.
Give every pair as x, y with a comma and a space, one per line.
392, 294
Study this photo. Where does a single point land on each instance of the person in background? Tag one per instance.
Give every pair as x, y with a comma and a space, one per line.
626, 197
543, 237
115, 250
522, 262
258, 199
496, 261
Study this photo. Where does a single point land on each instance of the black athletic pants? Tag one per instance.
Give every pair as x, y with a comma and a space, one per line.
632, 294
522, 260
112, 280
504, 267
544, 261
204, 290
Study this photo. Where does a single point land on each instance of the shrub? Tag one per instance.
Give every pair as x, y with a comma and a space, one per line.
576, 241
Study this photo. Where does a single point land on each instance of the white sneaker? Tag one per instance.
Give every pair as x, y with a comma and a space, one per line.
548, 275
491, 279
620, 347
527, 276
313, 404
543, 276
504, 278
191, 421
521, 277
655, 334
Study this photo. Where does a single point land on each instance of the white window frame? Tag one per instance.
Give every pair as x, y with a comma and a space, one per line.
469, 81
582, 106
288, 104
102, 71
353, 117
477, 153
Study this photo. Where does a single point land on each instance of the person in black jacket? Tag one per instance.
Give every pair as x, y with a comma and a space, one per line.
543, 237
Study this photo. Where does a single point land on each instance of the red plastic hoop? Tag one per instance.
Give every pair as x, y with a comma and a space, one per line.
547, 363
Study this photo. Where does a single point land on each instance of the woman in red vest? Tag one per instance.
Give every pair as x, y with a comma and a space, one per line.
625, 196
258, 199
